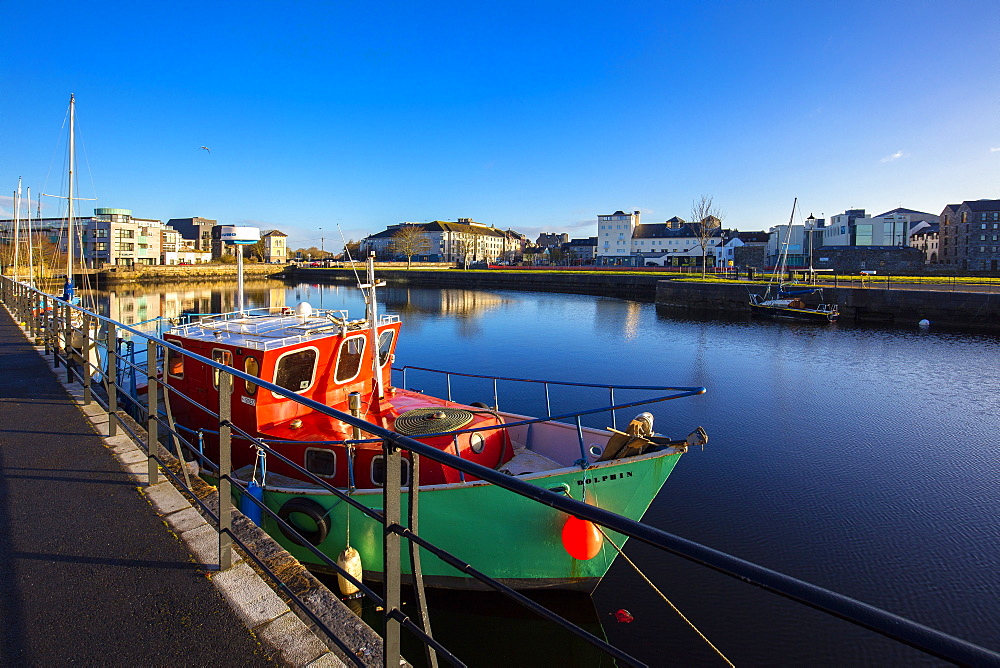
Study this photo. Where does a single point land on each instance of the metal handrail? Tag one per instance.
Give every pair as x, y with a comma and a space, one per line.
918, 636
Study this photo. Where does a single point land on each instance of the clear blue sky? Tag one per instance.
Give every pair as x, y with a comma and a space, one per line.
532, 115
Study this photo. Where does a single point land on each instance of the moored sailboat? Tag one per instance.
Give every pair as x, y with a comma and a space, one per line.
782, 300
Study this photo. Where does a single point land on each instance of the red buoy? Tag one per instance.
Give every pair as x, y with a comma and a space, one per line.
581, 538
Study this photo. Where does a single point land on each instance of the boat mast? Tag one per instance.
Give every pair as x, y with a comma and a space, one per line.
783, 258
17, 230
31, 252
68, 290
372, 315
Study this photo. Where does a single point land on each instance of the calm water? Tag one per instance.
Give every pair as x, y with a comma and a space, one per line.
862, 460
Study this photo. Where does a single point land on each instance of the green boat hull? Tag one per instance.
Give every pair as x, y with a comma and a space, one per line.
506, 536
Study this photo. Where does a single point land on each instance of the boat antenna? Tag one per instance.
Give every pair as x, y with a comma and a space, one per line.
372, 315
347, 252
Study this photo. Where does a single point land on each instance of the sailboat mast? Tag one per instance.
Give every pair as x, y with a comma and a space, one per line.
31, 252
17, 230
783, 264
69, 217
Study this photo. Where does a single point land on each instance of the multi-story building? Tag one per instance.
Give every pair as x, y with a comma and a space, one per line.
892, 228
580, 251
926, 240
196, 229
549, 240
624, 240
614, 235
115, 236
970, 235
275, 247
462, 241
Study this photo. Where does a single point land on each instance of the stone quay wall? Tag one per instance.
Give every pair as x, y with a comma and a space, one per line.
173, 273
625, 286
964, 310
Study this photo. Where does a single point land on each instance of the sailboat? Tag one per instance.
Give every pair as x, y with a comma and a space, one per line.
781, 300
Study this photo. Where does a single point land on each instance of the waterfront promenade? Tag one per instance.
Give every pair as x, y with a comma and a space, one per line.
91, 576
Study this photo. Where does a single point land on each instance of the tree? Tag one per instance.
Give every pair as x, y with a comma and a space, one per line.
352, 249
708, 217
410, 240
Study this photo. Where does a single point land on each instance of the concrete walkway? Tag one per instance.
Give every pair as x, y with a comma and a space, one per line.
89, 574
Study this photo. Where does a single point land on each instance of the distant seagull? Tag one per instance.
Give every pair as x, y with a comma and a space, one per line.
207, 149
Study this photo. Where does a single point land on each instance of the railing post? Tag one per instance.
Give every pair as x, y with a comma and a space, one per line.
614, 415
390, 552
111, 378
88, 345
152, 400
225, 468
68, 343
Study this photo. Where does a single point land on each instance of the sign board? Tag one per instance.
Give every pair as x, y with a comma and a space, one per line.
239, 235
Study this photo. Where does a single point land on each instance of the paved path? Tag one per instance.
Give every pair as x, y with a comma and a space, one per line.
89, 575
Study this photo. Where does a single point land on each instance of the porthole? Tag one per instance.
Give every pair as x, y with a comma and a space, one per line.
321, 462
252, 367
378, 471
477, 443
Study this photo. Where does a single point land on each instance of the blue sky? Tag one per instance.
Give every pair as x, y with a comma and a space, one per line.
536, 116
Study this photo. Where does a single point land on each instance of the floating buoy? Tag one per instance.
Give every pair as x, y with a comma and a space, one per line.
924, 323
581, 538
623, 616
350, 561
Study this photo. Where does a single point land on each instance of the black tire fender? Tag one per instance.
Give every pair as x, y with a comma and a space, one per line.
313, 511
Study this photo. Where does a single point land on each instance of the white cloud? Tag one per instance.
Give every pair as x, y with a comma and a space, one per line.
895, 156
995, 149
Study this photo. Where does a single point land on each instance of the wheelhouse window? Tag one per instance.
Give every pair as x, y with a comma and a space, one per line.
222, 357
349, 360
321, 462
296, 371
385, 345
378, 471
252, 367
175, 363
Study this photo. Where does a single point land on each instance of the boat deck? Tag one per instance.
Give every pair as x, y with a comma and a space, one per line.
267, 331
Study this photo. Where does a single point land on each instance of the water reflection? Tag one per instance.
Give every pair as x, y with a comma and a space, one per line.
133, 303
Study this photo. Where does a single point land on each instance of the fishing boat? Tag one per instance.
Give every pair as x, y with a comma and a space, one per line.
346, 364
785, 300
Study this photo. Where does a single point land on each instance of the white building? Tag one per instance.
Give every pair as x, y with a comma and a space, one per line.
114, 236
275, 247
614, 234
855, 228
464, 240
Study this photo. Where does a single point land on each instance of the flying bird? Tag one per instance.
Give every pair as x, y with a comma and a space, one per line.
207, 149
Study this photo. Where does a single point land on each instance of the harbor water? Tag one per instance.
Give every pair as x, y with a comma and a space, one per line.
863, 460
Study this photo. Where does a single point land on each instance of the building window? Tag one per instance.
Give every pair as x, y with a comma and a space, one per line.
863, 235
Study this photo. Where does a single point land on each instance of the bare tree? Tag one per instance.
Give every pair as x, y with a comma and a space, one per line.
708, 218
410, 240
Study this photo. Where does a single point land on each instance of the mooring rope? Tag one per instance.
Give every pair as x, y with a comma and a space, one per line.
675, 609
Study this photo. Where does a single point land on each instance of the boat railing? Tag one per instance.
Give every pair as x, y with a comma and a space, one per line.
55, 332
672, 392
